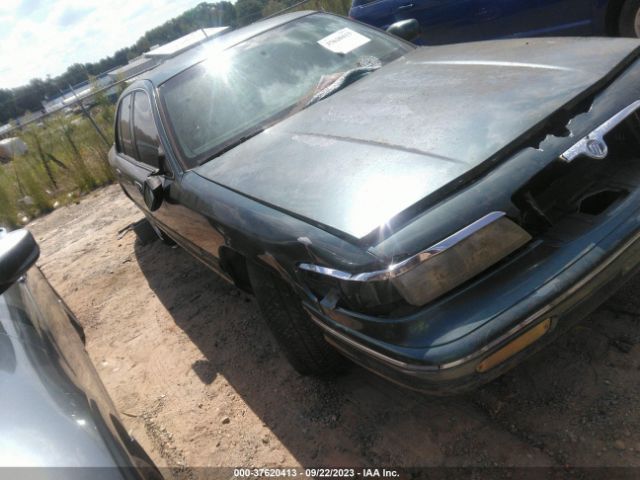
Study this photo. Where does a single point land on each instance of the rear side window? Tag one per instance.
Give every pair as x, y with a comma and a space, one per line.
124, 127
145, 132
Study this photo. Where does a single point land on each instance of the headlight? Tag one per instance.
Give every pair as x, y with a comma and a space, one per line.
444, 266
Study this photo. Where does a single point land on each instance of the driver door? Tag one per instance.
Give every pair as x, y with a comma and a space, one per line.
533, 18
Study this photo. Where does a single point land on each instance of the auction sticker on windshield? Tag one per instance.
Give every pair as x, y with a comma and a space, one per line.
343, 41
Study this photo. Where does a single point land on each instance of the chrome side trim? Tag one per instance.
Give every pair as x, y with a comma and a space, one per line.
493, 344
593, 145
398, 269
380, 356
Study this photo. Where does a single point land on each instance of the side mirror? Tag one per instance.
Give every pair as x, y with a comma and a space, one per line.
406, 29
153, 191
18, 252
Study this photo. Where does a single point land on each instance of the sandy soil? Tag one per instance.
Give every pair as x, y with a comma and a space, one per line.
199, 381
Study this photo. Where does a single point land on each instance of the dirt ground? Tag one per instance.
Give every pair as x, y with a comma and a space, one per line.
199, 381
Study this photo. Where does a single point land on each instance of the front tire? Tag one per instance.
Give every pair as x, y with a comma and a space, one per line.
629, 22
300, 339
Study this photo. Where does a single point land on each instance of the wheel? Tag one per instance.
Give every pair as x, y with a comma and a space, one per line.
629, 23
300, 339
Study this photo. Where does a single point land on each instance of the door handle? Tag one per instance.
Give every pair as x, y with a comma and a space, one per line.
406, 7
138, 184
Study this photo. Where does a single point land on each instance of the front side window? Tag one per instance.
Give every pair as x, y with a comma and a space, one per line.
124, 127
236, 92
145, 132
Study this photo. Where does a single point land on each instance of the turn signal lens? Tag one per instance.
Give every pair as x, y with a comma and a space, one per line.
515, 346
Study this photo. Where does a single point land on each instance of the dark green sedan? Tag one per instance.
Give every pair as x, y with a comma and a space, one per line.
435, 214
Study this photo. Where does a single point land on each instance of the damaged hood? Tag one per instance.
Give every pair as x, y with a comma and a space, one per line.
356, 159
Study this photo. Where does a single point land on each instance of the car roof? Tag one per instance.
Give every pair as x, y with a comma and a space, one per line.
181, 62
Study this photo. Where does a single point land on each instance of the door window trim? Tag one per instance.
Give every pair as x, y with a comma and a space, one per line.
169, 174
119, 148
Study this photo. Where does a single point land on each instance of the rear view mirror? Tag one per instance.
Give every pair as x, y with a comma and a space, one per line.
153, 192
18, 252
406, 29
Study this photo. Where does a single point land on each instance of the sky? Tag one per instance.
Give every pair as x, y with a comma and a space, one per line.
44, 37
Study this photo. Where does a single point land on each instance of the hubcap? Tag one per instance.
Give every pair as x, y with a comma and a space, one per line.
636, 24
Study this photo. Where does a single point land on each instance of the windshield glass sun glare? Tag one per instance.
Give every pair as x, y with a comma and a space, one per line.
237, 92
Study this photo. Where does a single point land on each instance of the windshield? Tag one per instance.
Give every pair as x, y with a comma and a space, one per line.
235, 93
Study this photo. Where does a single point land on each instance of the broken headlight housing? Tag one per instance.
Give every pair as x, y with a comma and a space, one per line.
428, 274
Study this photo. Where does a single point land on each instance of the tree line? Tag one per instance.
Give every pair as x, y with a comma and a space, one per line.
17, 101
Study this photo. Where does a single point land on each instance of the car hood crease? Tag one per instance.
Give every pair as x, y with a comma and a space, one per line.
358, 158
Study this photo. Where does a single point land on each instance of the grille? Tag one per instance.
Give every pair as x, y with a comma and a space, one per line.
572, 193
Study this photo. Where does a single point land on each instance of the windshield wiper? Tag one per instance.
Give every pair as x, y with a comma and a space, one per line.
233, 144
340, 80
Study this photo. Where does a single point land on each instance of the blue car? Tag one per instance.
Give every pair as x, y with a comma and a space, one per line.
453, 21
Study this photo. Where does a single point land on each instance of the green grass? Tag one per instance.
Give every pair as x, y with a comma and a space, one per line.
66, 157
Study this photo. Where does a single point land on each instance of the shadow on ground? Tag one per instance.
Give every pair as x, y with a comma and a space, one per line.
575, 403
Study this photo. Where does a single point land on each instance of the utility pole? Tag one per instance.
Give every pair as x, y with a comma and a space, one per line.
93, 122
